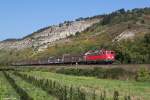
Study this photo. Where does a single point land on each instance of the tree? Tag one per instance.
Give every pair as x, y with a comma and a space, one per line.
77, 33
122, 11
106, 20
147, 38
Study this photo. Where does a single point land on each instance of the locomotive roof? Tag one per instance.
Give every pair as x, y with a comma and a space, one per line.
97, 51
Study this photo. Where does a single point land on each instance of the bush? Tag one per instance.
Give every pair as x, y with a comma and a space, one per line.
109, 73
143, 75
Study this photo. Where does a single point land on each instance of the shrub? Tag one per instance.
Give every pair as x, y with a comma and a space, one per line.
143, 75
111, 73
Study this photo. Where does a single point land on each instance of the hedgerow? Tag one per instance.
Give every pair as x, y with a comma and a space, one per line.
109, 73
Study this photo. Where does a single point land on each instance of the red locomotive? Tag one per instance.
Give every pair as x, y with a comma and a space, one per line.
100, 56
90, 57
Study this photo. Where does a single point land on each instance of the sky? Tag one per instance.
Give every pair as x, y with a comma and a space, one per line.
19, 18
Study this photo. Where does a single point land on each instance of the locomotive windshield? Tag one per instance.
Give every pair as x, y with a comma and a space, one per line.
96, 52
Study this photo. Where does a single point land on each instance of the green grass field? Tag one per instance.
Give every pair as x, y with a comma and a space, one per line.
6, 91
34, 92
135, 89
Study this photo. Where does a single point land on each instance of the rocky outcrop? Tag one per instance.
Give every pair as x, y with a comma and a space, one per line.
42, 38
18, 44
125, 35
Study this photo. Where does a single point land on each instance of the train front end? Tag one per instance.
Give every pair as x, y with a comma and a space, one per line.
100, 56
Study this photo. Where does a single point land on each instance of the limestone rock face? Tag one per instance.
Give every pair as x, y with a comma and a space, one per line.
125, 35
42, 38
18, 44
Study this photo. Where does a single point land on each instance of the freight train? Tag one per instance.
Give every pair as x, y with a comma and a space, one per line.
91, 57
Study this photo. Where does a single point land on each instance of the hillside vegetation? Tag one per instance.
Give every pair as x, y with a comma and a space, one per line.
126, 32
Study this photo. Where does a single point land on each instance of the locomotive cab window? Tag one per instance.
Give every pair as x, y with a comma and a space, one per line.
102, 53
112, 52
105, 52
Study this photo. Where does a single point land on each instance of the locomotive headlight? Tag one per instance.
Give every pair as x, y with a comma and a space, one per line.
109, 57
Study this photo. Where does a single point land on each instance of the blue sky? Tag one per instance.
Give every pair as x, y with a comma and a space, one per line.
19, 18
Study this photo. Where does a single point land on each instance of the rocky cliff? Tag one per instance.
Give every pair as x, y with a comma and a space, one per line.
42, 38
